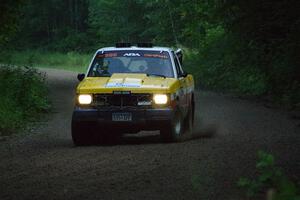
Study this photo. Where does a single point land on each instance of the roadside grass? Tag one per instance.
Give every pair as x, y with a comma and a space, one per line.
23, 97
71, 61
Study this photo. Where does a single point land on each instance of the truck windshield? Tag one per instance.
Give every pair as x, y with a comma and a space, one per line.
152, 63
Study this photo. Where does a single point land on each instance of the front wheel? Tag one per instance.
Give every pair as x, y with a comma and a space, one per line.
174, 130
81, 133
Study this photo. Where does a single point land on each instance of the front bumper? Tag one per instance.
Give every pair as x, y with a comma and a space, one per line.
142, 119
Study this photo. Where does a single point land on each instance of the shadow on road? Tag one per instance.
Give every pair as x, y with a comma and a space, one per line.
206, 132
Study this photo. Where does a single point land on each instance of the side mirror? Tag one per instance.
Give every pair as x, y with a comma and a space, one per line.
184, 74
80, 77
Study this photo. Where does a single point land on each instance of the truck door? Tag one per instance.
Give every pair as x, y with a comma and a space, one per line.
183, 100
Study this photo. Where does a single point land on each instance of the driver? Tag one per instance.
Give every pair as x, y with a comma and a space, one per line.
102, 70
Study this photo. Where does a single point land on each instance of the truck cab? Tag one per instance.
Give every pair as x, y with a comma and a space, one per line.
130, 88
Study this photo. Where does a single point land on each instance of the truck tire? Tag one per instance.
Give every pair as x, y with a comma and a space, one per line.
173, 131
189, 120
81, 134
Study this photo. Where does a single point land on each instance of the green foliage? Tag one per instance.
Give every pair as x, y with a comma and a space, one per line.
270, 30
53, 25
270, 178
112, 20
247, 47
219, 65
9, 13
70, 61
23, 97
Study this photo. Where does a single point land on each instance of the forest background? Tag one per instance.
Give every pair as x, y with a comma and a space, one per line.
249, 48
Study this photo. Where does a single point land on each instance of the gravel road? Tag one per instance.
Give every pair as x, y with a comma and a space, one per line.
44, 164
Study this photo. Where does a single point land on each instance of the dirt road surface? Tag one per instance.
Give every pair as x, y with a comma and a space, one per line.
44, 164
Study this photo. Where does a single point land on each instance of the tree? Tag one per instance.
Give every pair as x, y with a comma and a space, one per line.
113, 21
9, 13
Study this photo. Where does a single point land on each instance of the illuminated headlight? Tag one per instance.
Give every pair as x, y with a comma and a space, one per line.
85, 99
160, 99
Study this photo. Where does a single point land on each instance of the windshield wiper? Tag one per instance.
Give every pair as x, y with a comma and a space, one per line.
159, 75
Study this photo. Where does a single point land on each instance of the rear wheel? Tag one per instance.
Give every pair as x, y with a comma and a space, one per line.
189, 120
173, 131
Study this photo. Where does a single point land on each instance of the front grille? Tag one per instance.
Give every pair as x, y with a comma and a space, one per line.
121, 100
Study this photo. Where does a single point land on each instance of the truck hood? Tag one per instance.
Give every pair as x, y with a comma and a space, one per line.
136, 83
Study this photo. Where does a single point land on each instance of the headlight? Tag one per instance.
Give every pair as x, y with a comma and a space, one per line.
160, 99
85, 99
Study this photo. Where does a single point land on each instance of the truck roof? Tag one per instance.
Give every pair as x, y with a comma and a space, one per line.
135, 48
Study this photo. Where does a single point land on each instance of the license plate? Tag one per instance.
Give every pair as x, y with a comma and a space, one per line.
121, 117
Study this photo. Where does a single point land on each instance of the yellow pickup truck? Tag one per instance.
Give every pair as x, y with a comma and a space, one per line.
128, 89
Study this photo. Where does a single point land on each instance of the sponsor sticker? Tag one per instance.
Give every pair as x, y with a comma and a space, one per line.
107, 55
123, 85
110, 85
132, 55
162, 56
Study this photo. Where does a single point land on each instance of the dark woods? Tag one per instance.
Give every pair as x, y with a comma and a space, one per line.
249, 47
